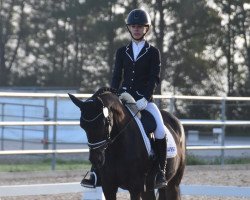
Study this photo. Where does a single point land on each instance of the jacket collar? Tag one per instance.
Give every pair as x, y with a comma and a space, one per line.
129, 51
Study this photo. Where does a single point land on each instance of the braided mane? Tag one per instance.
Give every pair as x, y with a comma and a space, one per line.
104, 90
115, 106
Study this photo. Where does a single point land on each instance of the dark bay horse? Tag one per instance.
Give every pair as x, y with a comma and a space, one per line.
118, 151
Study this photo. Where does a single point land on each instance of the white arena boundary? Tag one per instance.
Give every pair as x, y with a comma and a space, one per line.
68, 151
61, 188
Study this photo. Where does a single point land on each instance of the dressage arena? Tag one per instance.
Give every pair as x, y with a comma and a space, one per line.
228, 175
223, 177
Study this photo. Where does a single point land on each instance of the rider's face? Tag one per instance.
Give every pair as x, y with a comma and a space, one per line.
137, 31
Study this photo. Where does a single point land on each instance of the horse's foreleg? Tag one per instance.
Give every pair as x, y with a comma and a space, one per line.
150, 195
134, 195
110, 192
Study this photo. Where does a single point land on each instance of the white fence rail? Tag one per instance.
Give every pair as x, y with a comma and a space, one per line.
62, 95
73, 123
55, 123
68, 151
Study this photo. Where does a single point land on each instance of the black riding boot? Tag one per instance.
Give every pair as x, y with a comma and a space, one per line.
161, 148
91, 179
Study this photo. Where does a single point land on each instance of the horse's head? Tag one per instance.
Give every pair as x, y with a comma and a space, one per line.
97, 121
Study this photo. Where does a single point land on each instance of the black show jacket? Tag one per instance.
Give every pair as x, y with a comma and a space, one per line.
139, 77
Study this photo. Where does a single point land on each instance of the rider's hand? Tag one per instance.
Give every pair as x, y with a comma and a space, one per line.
122, 90
142, 103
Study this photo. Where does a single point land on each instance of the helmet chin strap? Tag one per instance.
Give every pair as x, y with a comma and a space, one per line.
141, 38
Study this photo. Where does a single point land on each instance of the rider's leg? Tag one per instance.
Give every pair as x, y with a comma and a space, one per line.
160, 144
92, 179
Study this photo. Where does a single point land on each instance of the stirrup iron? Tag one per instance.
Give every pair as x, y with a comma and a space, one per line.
90, 174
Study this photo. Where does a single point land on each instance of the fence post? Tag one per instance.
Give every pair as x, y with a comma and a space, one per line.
23, 119
53, 164
223, 119
171, 109
2, 131
46, 128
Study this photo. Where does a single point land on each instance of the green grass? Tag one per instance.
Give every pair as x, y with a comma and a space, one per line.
44, 165
237, 161
194, 160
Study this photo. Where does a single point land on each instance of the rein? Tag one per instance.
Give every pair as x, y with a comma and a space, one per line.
91, 120
120, 132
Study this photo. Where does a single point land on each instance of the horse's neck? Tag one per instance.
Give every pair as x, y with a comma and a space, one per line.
129, 140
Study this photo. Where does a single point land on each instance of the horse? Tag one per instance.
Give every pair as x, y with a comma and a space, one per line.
118, 151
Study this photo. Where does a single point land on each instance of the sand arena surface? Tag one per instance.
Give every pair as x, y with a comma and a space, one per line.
231, 175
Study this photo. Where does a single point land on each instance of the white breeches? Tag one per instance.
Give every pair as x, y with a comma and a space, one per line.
161, 129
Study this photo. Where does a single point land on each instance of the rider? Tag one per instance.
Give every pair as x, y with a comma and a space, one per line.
137, 71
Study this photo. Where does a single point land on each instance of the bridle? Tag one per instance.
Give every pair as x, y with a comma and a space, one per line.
103, 144
105, 112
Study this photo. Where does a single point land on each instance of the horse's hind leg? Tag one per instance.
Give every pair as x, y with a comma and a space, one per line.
170, 192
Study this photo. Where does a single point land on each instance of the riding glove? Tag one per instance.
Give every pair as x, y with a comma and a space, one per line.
141, 103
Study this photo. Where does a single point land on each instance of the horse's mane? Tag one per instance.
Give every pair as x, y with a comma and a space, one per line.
115, 106
104, 90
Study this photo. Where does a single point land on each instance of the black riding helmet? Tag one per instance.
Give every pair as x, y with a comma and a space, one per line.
138, 17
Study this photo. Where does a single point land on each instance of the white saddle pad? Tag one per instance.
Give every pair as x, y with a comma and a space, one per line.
171, 145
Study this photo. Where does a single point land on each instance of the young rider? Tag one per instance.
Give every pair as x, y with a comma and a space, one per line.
137, 71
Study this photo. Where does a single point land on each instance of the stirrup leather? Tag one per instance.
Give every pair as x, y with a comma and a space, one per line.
89, 173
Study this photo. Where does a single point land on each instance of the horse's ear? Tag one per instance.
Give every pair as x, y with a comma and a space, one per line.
76, 101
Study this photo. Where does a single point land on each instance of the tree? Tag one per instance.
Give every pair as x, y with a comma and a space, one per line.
11, 36
235, 43
184, 31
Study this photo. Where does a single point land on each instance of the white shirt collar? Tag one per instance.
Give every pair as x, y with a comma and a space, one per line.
137, 47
